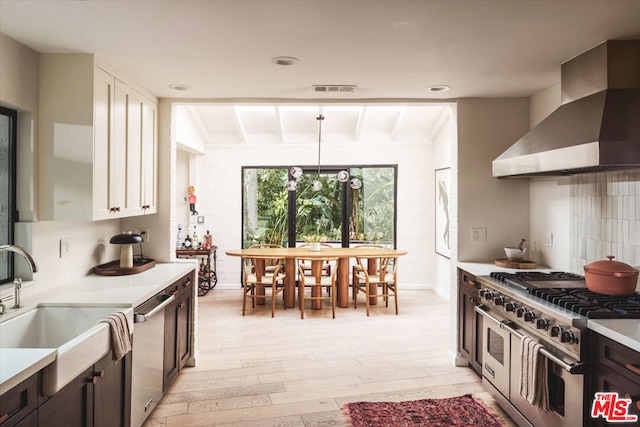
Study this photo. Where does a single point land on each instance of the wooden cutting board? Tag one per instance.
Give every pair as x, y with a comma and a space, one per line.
505, 263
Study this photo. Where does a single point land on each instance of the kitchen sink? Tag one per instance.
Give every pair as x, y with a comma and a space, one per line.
73, 331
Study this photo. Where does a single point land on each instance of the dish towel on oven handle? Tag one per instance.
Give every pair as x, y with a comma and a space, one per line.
534, 384
120, 333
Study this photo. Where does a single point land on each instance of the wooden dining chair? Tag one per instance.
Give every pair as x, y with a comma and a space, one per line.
321, 287
326, 267
262, 274
269, 267
383, 281
357, 269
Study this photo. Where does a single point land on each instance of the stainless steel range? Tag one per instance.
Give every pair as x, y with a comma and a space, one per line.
553, 308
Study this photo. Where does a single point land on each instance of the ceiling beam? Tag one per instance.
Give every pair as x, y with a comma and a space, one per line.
240, 126
359, 124
280, 124
398, 124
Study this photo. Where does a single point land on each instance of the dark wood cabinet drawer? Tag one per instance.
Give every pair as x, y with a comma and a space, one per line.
468, 279
617, 357
19, 402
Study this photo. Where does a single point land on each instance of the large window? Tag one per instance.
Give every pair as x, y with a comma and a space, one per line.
343, 214
8, 119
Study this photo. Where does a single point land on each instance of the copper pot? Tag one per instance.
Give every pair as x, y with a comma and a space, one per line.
611, 277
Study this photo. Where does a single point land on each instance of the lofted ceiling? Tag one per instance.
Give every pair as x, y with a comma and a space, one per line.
298, 124
389, 50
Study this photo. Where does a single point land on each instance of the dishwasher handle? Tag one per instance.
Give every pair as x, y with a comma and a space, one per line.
143, 317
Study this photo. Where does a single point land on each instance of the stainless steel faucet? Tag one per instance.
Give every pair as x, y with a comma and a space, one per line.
18, 281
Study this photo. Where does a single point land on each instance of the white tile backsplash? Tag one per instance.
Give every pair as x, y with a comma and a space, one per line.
605, 217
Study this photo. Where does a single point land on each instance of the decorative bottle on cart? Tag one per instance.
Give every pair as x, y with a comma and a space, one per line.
179, 238
194, 238
208, 240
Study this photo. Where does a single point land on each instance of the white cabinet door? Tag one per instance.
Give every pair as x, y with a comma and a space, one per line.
103, 107
149, 157
118, 152
134, 154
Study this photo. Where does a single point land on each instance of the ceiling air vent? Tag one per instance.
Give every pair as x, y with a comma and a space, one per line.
334, 88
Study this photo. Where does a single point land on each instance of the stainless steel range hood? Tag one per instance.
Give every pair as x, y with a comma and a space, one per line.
596, 128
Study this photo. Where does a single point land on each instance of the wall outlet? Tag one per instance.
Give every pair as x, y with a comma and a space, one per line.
65, 247
144, 232
549, 240
478, 235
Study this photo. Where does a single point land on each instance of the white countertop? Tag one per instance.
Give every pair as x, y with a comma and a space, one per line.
18, 364
484, 268
624, 331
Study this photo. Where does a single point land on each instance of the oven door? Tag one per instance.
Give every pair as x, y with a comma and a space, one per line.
496, 354
566, 393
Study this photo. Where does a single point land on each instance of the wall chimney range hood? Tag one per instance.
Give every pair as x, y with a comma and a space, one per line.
597, 127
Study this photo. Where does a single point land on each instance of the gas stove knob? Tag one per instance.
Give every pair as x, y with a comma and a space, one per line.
568, 336
529, 316
520, 311
556, 330
542, 323
489, 294
500, 300
510, 306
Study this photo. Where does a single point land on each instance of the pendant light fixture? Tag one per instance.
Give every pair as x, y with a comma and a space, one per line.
295, 172
317, 185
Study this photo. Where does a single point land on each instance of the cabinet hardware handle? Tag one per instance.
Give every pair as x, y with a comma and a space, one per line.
181, 305
633, 368
628, 396
99, 374
3, 418
92, 379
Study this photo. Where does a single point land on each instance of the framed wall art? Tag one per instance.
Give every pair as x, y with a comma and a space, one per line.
442, 191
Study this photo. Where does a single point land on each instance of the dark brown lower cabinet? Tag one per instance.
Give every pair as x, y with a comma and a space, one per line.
469, 322
18, 405
99, 397
177, 330
615, 368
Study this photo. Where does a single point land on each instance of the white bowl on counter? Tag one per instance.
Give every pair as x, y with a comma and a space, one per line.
515, 254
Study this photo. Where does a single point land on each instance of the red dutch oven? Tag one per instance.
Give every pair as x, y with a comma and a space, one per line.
611, 277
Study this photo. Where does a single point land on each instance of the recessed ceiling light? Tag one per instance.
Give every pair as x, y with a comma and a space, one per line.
284, 60
179, 87
438, 88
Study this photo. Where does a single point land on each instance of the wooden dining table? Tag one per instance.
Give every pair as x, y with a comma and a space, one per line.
291, 254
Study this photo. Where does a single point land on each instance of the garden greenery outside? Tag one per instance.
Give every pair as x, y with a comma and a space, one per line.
266, 206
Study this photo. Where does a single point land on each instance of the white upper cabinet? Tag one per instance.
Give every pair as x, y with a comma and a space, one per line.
98, 144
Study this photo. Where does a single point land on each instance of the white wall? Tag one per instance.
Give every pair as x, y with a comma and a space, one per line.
487, 127
443, 153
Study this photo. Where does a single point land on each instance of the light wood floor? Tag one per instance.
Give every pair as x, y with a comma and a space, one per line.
288, 372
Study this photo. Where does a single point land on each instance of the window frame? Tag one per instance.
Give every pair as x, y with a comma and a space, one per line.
12, 211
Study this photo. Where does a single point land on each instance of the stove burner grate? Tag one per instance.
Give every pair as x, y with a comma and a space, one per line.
591, 304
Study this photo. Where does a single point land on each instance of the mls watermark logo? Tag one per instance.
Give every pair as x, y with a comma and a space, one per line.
612, 408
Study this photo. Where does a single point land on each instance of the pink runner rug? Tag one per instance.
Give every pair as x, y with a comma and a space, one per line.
452, 411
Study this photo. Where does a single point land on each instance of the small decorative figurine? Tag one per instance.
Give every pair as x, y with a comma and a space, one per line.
192, 200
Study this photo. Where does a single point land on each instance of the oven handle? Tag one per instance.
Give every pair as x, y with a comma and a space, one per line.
573, 368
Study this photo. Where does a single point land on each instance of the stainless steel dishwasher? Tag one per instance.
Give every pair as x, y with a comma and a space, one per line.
148, 344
